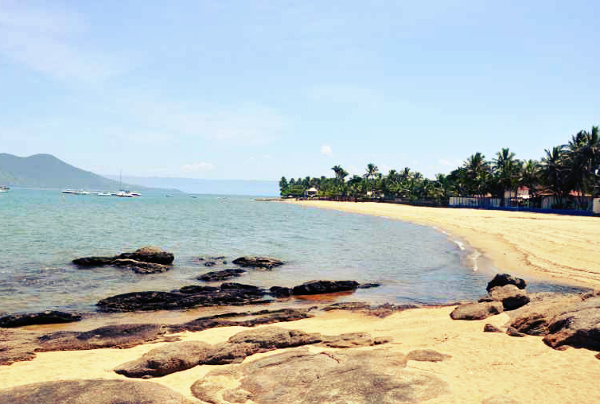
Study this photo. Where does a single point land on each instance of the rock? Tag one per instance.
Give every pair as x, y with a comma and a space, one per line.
244, 319
195, 289
373, 376
491, 328
578, 327
46, 317
499, 400
92, 392
279, 291
149, 254
426, 355
93, 261
319, 287
17, 345
210, 264
513, 332
506, 279
534, 318
511, 296
119, 336
380, 311
219, 276
258, 262
168, 359
228, 294
476, 311
141, 267
353, 340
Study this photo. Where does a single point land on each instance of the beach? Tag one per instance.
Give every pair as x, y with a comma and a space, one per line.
479, 365
548, 246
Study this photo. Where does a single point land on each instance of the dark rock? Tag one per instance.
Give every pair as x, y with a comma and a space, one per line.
92, 392
353, 340
219, 276
511, 296
119, 336
93, 261
210, 264
506, 279
374, 376
167, 359
533, 319
319, 287
241, 287
368, 285
194, 289
513, 332
258, 262
476, 311
149, 254
491, 328
46, 317
499, 400
426, 355
597, 356
141, 267
279, 291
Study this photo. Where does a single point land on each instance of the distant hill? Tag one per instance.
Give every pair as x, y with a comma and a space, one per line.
202, 186
46, 171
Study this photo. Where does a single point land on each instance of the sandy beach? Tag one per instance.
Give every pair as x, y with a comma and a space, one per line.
481, 365
555, 247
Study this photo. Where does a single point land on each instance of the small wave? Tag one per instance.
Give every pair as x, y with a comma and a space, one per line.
460, 244
473, 257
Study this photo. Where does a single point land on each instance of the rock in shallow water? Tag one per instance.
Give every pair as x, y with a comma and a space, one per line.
219, 276
46, 317
319, 287
258, 262
506, 279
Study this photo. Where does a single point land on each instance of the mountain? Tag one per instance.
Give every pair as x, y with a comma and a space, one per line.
202, 186
46, 171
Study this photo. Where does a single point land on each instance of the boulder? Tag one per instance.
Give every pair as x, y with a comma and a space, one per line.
120, 336
506, 279
360, 377
319, 287
149, 254
258, 262
426, 355
167, 359
194, 289
511, 296
140, 267
46, 317
92, 392
578, 327
513, 332
210, 264
491, 328
476, 311
219, 276
353, 340
93, 261
279, 291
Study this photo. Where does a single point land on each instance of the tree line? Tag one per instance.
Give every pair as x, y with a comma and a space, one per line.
568, 172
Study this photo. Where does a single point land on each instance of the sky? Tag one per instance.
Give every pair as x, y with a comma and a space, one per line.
264, 89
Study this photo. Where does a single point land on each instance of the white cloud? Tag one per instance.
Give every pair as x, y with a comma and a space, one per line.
326, 150
197, 167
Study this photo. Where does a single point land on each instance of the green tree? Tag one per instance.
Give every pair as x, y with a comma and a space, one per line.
283, 185
372, 171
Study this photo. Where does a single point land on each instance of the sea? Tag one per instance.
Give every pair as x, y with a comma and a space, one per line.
42, 231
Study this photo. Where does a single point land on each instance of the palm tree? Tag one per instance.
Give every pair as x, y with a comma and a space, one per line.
583, 158
372, 170
476, 172
506, 171
554, 173
340, 173
530, 176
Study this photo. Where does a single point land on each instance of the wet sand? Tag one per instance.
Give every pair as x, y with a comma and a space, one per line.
559, 248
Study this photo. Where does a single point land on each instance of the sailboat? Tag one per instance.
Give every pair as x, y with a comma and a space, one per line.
123, 193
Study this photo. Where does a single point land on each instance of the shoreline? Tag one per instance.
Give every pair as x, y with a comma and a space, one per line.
562, 249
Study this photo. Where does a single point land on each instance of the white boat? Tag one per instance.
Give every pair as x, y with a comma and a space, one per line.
75, 192
104, 194
4, 188
124, 194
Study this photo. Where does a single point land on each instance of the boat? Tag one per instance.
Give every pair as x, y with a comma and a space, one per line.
124, 194
75, 191
4, 188
104, 194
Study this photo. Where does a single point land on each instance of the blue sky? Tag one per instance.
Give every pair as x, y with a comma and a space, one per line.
261, 89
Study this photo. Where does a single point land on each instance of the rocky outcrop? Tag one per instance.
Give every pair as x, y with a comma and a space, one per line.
578, 326
258, 262
506, 279
219, 276
426, 355
92, 392
228, 294
534, 318
353, 340
46, 317
491, 328
511, 297
280, 291
299, 376
146, 260
476, 311
17, 345
380, 311
119, 336
319, 287
170, 358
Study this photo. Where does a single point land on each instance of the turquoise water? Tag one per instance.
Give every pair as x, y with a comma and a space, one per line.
42, 231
